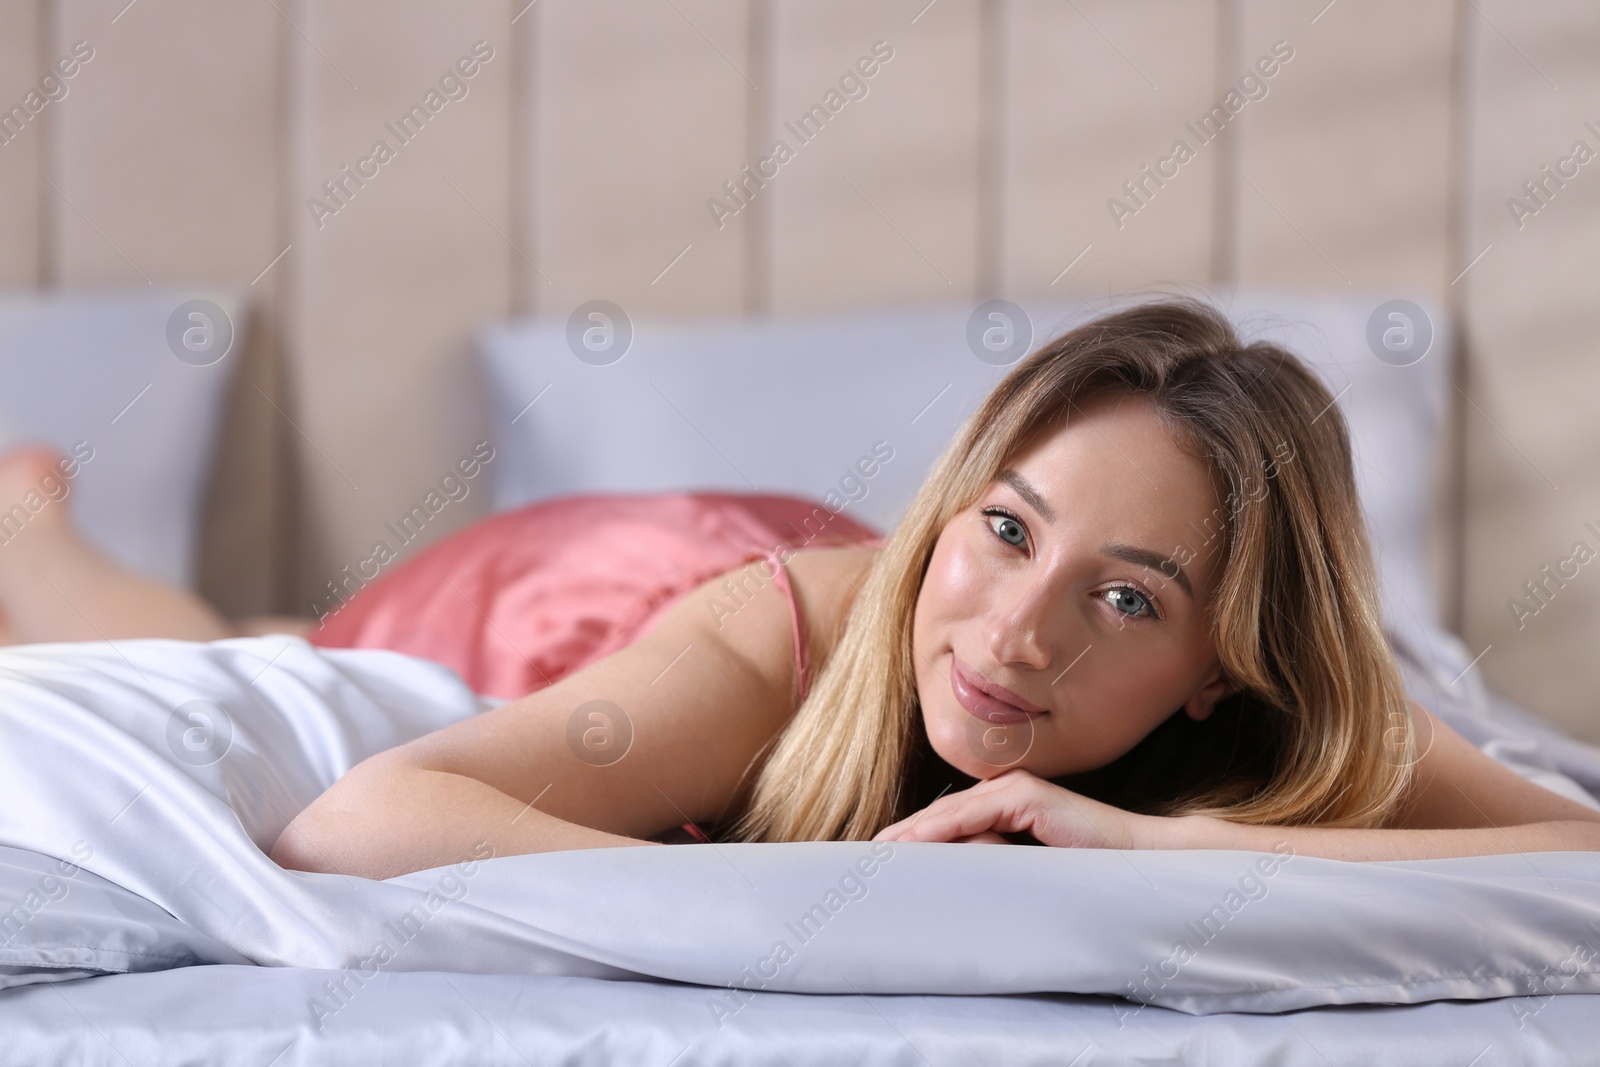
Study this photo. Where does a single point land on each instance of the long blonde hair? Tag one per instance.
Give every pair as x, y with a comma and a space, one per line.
1318, 729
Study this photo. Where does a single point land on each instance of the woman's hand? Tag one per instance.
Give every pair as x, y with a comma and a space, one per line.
1019, 801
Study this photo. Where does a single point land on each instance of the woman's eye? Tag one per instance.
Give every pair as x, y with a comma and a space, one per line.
1009, 529
1126, 597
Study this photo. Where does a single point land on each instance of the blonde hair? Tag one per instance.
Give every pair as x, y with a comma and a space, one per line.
1318, 729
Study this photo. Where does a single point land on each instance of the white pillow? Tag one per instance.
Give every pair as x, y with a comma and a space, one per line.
794, 404
96, 369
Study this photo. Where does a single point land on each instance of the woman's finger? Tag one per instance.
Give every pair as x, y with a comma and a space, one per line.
999, 805
1006, 781
969, 816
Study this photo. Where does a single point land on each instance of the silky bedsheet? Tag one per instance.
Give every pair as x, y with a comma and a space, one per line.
264, 1016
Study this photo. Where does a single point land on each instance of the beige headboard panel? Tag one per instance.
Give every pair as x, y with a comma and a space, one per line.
585, 154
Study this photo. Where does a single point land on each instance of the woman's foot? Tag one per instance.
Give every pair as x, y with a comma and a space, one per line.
33, 494
33, 490
56, 586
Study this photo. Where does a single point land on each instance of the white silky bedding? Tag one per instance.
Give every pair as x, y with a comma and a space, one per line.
97, 768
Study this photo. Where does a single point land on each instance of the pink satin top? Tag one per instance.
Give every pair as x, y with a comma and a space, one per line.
521, 599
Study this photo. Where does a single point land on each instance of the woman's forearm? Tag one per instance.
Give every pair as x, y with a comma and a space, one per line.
386, 818
1339, 843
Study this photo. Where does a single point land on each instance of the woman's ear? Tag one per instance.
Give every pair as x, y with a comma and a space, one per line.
1217, 686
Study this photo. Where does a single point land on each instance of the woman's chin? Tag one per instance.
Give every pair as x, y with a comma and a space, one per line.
975, 749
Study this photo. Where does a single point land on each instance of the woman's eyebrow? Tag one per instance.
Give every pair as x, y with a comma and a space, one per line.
1142, 557
1145, 558
1027, 492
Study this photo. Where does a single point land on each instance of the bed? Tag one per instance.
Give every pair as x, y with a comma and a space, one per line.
141, 781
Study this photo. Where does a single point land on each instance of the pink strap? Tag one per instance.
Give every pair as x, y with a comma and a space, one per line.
802, 659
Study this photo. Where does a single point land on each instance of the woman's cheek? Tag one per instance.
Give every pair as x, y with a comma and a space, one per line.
1141, 687
962, 576
945, 599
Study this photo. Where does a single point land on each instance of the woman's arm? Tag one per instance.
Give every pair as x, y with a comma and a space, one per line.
1338, 843
690, 704
1461, 803
390, 816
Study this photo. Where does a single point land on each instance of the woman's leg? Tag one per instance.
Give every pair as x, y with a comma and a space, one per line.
256, 625
54, 586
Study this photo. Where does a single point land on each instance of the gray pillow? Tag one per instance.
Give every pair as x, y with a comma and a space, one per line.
136, 382
812, 405
59, 922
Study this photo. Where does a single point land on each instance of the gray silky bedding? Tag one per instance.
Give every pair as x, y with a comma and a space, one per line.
260, 1016
159, 771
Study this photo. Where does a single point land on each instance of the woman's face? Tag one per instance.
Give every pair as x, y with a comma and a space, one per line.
1079, 581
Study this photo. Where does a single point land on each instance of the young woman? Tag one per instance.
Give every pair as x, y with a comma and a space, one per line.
1132, 606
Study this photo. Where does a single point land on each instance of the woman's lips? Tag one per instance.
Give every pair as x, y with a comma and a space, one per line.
965, 684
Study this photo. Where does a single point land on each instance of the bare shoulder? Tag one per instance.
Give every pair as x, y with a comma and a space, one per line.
745, 611
826, 581
694, 701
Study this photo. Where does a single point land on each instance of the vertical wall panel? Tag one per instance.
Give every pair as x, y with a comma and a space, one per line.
390, 287
1346, 169
1098, 91
167, 160
1345, 164
879, 203
22, 142
639, 113
168, 145
1530, 307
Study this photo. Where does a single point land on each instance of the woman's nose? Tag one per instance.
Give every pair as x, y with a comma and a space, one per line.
1020, 627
